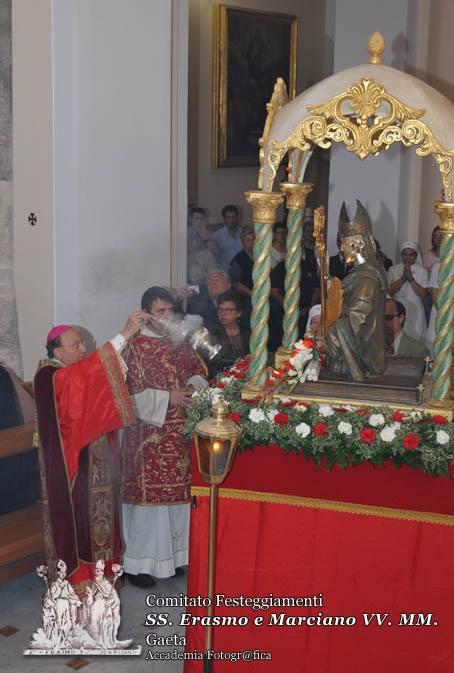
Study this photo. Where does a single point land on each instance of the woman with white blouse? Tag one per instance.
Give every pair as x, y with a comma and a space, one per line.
408, 282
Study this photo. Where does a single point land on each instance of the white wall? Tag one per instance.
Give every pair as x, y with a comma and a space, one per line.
112, 142
375, 180
214, 188
100, 113
32, 152
440, 74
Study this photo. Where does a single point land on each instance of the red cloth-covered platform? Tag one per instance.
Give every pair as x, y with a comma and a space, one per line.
370, 540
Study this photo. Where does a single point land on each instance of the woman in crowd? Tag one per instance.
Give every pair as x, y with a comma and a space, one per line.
408, 282
233, 338
279, 249
313, 320
433, 255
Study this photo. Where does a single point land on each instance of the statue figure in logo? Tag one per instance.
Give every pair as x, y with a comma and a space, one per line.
355, 343
103, 604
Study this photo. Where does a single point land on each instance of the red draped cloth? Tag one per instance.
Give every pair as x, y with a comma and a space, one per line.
78, 409
370, 540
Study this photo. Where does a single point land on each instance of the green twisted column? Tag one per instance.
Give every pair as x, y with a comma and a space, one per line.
264, 206
296, 195
444, 325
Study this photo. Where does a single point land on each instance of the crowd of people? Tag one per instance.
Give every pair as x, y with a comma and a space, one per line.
412, 281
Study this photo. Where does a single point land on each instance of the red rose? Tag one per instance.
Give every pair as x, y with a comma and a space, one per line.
367, 435
341, 410
289, 404
234, 416
212, 382
439, 420
242, 366
397, 416
309, 343
362, 412
320, 429
410, 441
239, 375
270, 382
281, 418
302, 404
220, 385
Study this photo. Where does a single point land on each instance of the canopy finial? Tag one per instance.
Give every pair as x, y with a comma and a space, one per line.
376, 47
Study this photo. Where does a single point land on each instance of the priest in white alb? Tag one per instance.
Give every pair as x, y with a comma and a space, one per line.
162, 376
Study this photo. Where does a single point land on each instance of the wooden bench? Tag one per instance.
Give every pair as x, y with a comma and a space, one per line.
21, 535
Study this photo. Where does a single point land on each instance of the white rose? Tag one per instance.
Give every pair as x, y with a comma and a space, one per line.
215, 395
415, 415
270, 414
292, 372
303, 429
376, 419
227, 379
442, 437
325, 410
256, 415
345, 428
388, 434
285, 400
299, 345
395, 425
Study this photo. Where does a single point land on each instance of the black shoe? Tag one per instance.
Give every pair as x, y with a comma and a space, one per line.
179, 571
142, 580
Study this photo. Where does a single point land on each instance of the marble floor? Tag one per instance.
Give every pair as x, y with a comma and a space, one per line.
20, 616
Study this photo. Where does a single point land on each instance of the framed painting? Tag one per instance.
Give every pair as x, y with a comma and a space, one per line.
250, 50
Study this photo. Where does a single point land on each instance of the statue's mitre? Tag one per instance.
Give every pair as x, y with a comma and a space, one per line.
360, 224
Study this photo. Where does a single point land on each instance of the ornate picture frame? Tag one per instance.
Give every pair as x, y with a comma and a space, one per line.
251, 49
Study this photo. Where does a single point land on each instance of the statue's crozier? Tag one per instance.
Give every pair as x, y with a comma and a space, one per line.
355, 343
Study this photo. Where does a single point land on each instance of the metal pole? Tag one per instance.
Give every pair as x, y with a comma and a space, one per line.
208, 663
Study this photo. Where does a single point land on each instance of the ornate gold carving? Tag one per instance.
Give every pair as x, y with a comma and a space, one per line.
264, 206
376, 47
277, 102
359, 129
445, 212
367, 120
334, 300
296, 194
320, 240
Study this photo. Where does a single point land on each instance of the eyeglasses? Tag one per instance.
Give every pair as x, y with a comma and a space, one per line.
227, 310
391, 316
163, 311
76, 344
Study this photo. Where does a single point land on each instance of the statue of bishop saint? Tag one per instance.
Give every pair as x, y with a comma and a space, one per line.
355, 342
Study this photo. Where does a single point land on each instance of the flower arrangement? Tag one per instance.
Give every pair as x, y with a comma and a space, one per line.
339, 435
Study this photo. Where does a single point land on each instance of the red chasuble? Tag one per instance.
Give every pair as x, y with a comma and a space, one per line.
157, 461
78, 409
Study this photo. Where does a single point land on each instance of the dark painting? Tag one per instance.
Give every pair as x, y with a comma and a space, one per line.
255, 49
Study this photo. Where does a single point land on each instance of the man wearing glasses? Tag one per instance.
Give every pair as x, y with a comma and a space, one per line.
80, 401
398, 342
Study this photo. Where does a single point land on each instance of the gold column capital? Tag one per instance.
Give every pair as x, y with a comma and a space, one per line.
264, 205
445, 211
296, 193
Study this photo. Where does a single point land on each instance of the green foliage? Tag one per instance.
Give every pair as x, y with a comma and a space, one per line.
343, 436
